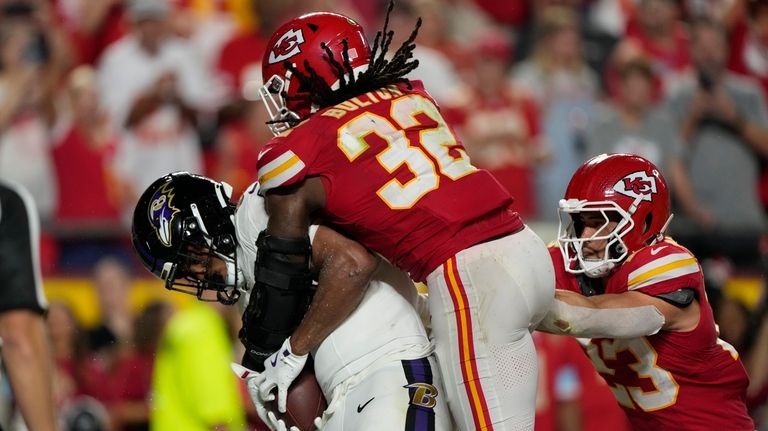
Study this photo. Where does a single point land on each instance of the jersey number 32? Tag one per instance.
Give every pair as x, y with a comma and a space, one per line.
435, 152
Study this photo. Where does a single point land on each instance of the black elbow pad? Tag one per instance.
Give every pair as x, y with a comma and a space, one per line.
680, 298
279, 299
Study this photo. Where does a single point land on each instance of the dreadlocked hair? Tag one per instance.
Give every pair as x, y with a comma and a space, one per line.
380, 73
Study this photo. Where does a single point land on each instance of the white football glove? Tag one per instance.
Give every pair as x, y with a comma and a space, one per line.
252, 379
280, 370
320, 422
279, 424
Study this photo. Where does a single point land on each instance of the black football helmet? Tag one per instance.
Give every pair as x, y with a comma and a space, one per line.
184, 219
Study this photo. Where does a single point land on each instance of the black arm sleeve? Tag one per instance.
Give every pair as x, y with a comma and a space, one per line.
680, 298
279, 299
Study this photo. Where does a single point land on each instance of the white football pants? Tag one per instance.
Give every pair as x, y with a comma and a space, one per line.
484, 302
399, 395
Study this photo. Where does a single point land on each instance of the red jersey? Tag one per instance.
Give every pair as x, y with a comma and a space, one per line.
674, 57
671, 380
396, 178
741, 55
510, 124
84, 193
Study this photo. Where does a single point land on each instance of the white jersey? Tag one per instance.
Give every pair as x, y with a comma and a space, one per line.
384, 327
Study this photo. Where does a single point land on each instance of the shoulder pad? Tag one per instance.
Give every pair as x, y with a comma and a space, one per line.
660, 263
279, 167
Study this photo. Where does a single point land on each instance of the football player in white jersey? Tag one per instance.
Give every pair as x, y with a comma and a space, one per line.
374, 365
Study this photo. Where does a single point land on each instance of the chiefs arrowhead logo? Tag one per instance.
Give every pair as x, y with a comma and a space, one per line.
287, 46
637, 185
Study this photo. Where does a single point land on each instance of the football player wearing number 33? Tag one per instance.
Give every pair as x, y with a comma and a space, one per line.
369, 152
640, 297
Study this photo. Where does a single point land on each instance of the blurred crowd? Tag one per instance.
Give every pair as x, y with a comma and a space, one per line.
159, 367
98, 98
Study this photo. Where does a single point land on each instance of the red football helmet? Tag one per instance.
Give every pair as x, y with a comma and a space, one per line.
301, 42
622, 188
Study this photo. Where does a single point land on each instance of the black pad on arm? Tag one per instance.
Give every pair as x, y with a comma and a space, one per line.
680, 298
279, 299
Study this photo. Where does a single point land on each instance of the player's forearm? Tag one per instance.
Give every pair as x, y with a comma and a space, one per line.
28, 361
601, 316
586, 322
342, 283
573, 298
607, 300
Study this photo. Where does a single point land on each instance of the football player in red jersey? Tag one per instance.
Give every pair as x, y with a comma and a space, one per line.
667, 369
369, 151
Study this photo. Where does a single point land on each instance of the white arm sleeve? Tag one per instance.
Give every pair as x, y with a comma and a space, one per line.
421, 305
567, 319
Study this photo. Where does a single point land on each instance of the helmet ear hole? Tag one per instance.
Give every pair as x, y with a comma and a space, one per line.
647, 223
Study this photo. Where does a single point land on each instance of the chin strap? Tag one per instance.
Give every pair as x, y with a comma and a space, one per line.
235, 283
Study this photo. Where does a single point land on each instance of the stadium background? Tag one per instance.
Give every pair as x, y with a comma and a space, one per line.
533, 87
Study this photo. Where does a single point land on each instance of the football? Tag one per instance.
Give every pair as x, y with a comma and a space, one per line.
305, 401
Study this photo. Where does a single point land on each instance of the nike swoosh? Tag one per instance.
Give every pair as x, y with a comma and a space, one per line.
274, 361
656, 251
361, 407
